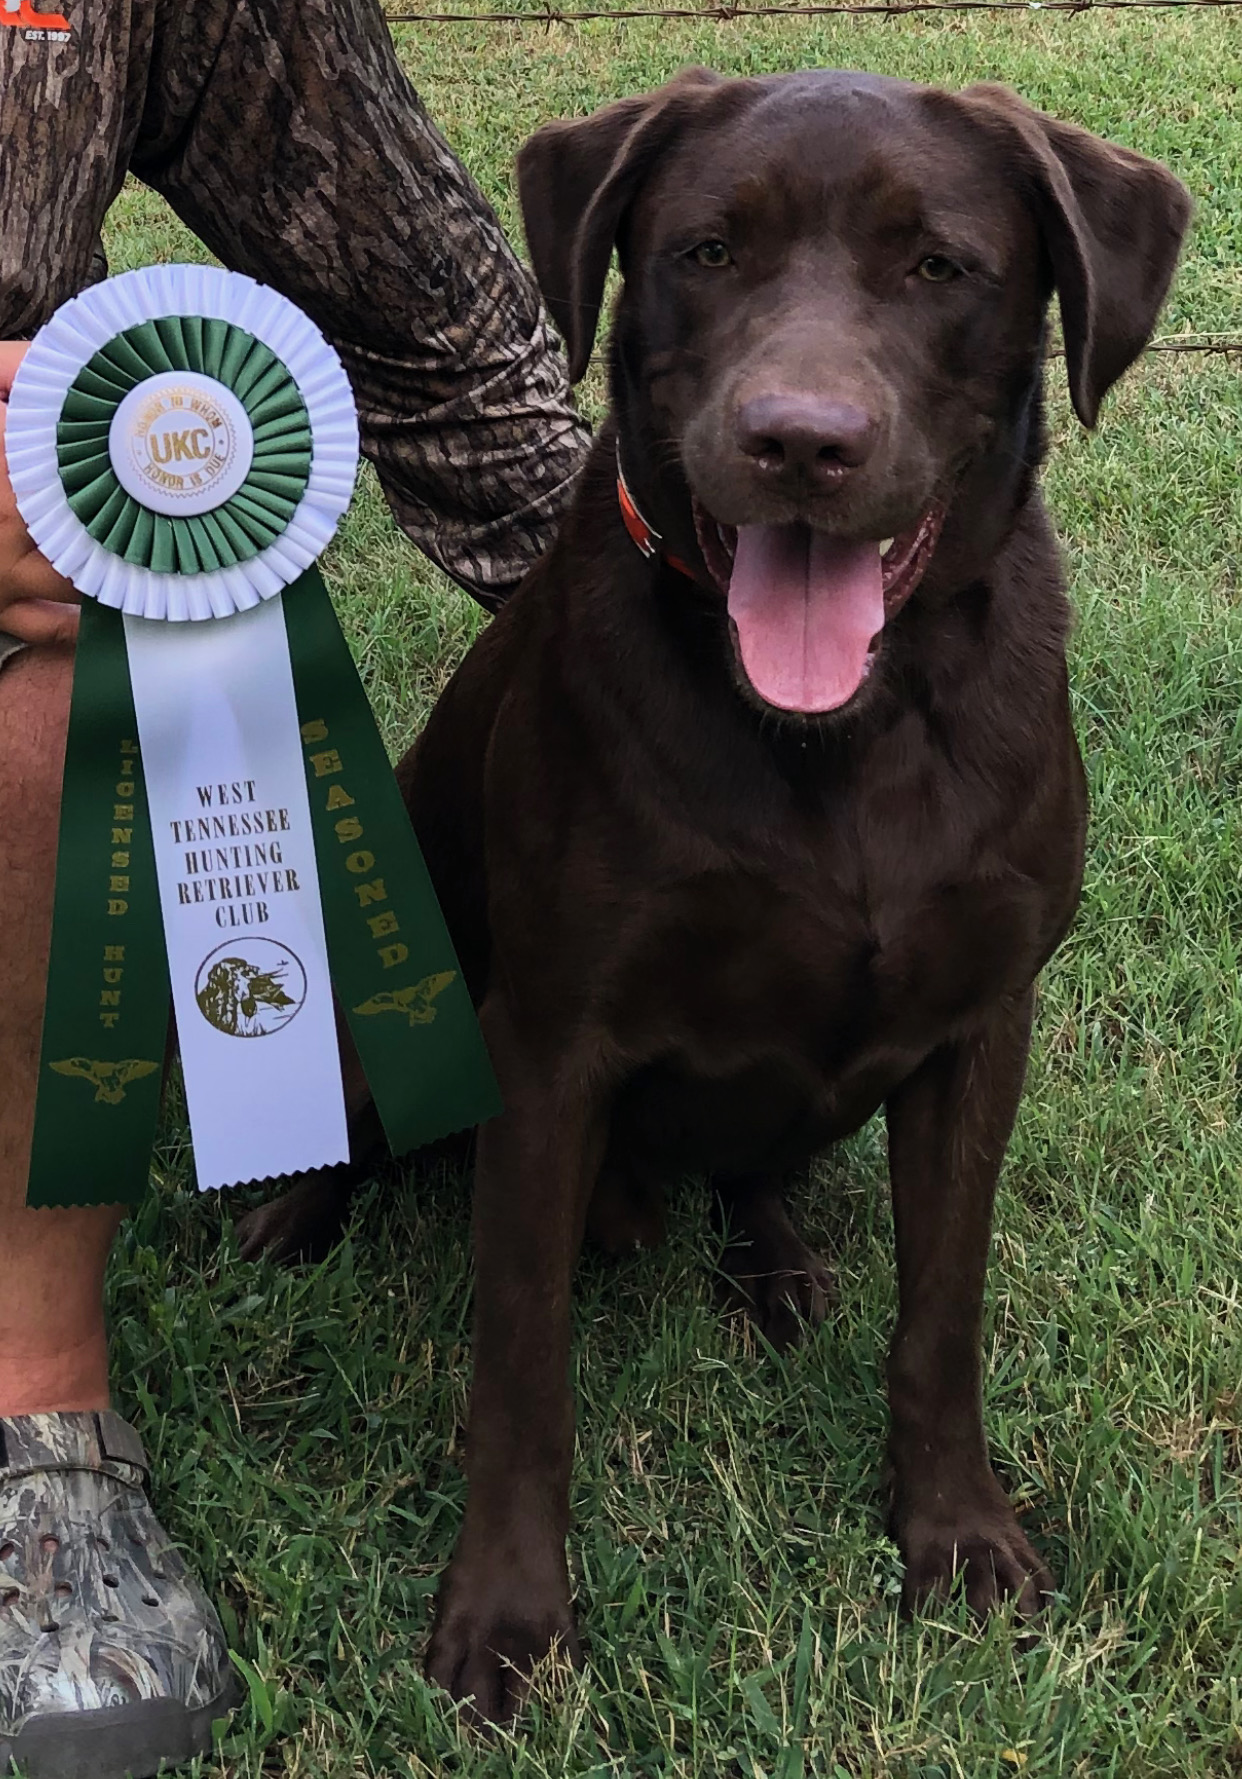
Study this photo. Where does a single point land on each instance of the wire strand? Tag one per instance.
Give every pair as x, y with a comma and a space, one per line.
722, 12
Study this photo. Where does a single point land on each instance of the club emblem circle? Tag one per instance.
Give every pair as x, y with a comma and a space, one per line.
181, 444
250, 987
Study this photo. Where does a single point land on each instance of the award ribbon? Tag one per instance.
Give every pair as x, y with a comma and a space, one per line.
182, 444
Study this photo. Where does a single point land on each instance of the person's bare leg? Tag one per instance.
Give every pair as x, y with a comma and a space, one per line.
135, 1629
53, 1349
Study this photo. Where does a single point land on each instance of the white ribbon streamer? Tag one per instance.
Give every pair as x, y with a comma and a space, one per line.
243, 922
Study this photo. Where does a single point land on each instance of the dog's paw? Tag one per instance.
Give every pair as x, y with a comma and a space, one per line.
985, 1547
302, 1224
785, 1286
489, 1640
626, 1211
793, 1294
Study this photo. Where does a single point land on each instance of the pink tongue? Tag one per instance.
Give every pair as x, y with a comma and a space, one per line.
806, 608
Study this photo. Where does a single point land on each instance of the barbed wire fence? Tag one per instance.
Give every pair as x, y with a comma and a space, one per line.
722, 11
543, 15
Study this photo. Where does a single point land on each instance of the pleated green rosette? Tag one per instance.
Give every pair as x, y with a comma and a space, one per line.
182, 444
137, 520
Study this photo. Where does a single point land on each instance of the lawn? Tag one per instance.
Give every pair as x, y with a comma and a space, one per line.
736, 1589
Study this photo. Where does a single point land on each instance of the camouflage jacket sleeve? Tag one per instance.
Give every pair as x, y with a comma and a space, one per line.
286, 135
288, 138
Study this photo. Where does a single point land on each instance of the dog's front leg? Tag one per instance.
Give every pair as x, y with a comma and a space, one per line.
505, 1599
948, 1127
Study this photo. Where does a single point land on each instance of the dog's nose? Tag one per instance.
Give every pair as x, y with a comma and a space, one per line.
787, 433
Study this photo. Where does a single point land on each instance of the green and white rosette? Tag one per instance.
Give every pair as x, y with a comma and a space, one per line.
182, 444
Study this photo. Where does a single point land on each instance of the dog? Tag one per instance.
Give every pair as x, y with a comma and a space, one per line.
759, 808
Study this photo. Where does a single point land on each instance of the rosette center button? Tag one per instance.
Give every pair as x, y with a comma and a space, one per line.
181, 444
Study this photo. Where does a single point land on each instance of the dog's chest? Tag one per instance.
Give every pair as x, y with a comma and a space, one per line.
780, 1010
732, 961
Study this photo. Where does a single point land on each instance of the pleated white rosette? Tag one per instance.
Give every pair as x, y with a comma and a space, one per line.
83, 327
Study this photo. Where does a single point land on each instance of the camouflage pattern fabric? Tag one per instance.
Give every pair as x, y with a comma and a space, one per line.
285, 134
98, 1613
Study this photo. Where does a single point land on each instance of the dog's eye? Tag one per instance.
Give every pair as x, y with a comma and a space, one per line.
711, 253
937, 269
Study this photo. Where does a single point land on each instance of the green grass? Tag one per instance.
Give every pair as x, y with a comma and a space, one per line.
736, 1589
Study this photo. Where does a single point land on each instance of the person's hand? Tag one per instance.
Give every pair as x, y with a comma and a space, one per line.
36, 604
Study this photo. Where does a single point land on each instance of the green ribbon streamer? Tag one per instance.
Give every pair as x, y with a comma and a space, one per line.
106, 1023
393, 967
260, 510
394, 970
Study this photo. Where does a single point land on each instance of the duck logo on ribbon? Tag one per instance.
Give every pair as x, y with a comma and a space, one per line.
253, 991
109, 1079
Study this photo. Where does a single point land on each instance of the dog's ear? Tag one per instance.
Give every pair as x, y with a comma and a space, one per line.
1113, 222
575, 181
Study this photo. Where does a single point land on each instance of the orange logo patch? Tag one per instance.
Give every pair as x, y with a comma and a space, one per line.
21, 13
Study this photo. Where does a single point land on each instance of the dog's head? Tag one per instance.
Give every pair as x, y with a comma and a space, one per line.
833, 309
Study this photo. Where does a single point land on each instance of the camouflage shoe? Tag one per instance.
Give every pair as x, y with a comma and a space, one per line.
112, 1660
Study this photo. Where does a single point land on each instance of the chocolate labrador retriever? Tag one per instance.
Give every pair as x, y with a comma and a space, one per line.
759, 808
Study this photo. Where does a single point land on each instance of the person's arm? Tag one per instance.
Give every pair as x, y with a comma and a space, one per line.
36, 604
289, 139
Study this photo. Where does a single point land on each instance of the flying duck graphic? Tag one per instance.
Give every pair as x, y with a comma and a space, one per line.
416, 1003
109, 1079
